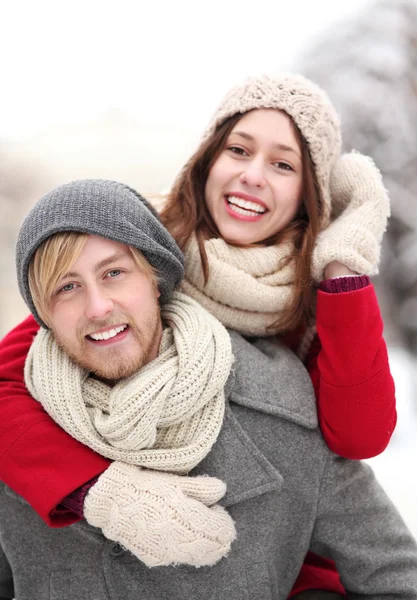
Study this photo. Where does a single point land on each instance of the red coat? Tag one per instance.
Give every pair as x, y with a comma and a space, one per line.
351, 376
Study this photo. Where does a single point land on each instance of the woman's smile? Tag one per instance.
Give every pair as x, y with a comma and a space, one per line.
243, 207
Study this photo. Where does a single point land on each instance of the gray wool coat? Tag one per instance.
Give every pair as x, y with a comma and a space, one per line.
286, 491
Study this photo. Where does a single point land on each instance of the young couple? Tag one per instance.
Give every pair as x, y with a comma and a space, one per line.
280, 234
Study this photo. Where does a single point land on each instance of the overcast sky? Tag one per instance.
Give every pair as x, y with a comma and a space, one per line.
161, 62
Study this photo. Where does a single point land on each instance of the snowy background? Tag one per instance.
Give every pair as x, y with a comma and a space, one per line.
395, 468
91, 90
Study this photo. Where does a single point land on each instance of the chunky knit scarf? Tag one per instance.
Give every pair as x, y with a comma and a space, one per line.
166, 417
248, 288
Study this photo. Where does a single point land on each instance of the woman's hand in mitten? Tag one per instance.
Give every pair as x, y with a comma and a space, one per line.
161, 518
359, 218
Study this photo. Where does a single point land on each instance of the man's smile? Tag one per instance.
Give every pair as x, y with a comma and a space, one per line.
111, 334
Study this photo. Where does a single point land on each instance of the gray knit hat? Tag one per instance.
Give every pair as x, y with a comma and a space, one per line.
105, 208
306, 104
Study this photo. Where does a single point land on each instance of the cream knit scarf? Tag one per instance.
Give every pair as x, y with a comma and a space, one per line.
248, 288
166, 417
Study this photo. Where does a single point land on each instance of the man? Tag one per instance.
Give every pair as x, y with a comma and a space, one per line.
144, 376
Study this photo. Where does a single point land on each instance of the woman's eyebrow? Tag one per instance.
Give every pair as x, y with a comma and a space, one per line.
279, 146
287, 149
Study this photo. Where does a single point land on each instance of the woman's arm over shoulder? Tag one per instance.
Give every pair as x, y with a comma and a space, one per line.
318, 573
38, 459
351, 374
14, 348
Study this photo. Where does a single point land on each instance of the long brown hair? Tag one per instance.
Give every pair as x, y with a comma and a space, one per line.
186, 212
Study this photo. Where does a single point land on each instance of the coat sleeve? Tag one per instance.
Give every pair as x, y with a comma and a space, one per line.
38, 459
351, 375
360, 529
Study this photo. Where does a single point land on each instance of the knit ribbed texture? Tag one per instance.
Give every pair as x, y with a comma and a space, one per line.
359, 218
248, 288
75, 500
348, 283
106, 208
309, 107
165, 417
161, 518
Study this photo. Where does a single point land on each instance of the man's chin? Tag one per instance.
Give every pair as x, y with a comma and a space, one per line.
112, 363
114, 372
112, 368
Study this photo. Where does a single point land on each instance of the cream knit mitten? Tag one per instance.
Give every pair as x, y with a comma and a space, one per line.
161, 518
360, 210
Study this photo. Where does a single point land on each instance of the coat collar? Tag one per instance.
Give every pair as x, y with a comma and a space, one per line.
268, 377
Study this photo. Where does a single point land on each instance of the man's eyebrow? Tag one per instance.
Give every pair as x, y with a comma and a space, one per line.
279, 146
102, 263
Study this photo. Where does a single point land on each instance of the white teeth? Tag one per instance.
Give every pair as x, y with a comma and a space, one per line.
246, 205
106, 335
242, 211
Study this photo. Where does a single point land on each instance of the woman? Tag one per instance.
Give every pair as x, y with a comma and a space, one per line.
251, 210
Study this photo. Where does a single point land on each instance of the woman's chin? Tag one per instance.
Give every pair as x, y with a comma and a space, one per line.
240, 238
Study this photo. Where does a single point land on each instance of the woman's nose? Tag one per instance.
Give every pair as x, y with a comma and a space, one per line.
253, 174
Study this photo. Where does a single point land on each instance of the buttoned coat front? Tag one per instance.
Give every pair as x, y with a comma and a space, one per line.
286, 491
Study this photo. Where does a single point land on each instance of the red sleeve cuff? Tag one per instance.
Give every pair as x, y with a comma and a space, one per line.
75, 501
339, 285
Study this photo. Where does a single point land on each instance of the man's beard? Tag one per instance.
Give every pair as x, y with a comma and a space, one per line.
112, 363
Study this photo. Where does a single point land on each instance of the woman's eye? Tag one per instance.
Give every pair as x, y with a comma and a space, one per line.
284, 166
237, 150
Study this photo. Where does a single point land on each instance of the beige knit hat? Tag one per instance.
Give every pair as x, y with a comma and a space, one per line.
309, 107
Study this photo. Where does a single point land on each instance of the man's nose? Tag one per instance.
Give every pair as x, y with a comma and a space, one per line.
98, 304
253, 173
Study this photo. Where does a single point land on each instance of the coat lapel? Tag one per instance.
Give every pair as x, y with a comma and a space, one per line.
267, 378
237, 461
270, 378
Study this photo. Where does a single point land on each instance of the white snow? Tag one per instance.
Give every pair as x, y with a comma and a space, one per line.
396, 467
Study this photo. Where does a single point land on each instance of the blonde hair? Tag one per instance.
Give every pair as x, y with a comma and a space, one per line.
54, 257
